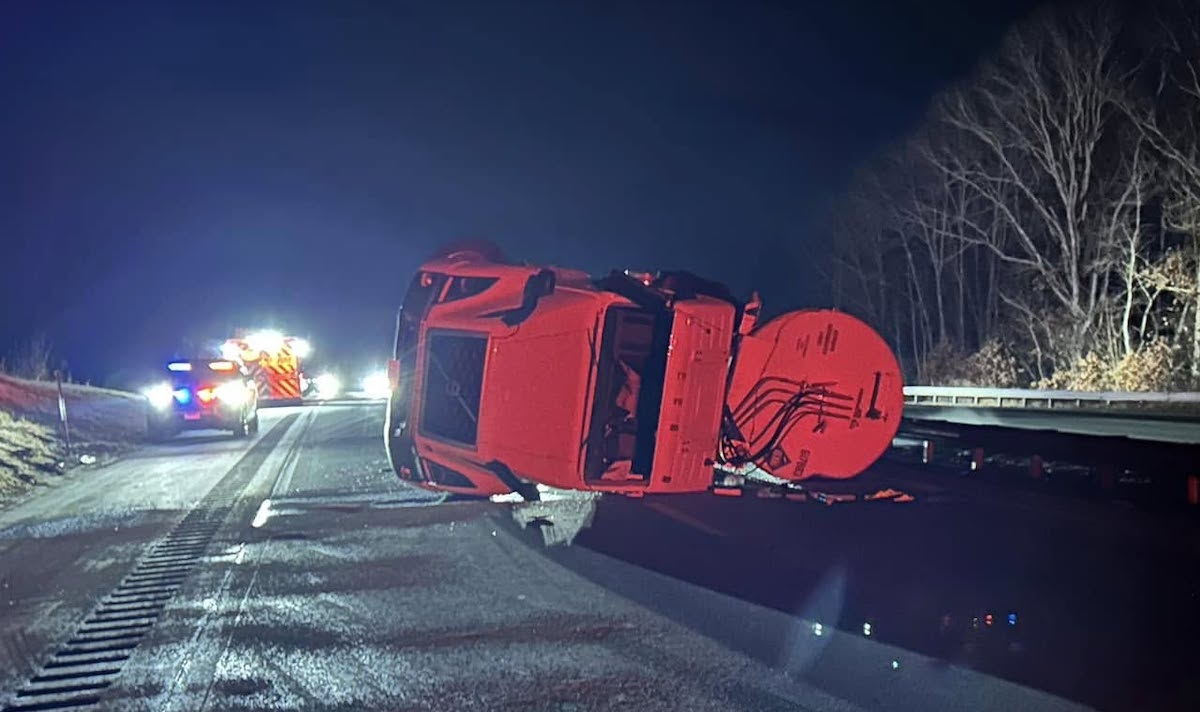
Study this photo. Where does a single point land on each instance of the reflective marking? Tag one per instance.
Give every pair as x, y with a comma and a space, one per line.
263, 514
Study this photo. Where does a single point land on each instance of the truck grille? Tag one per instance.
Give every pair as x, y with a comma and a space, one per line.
453, 383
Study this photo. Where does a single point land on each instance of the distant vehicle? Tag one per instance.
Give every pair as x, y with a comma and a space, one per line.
507, 376
203, 394
273, 360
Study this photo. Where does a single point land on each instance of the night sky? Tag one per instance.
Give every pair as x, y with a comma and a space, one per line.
172, 170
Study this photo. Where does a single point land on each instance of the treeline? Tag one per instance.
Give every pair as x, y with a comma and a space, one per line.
1042, 226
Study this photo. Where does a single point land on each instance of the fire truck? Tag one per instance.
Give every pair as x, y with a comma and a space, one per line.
507, 377
273, 360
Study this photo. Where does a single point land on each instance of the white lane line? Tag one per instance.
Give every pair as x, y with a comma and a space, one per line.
262, 515
283, 482
286, 471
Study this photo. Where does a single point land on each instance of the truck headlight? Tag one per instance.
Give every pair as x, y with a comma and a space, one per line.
160, 396
377, 386
328, 386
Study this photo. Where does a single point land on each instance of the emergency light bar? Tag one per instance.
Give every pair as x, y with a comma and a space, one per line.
266, 341
179, 366
222, 366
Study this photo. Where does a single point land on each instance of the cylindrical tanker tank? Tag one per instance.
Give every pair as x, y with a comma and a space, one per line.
813, 393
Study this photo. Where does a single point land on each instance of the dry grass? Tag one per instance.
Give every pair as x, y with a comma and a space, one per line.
1154, 367
104, 424
28, 453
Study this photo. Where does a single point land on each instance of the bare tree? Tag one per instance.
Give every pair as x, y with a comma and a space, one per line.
1042, 172
32, 359
1049, 207
1169, 119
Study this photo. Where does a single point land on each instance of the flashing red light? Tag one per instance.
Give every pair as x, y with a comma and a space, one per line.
206, 394
988, 619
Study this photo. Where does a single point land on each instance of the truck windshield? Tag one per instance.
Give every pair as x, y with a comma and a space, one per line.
422, 292
629, 357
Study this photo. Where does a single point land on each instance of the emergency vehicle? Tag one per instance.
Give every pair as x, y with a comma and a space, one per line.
202, 394
508, 376
273, 361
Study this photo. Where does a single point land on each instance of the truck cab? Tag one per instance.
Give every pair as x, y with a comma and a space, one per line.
505, 377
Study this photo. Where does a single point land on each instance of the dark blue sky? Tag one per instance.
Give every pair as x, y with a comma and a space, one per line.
174, 169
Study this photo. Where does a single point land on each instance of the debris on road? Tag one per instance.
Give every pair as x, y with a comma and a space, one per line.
891, 495
885, 495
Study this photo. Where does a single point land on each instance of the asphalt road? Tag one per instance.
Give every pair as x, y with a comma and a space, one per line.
294, 571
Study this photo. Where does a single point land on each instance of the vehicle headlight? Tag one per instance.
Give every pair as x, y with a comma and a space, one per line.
301, 348
232, 393
328, 386
377, 385
160, 396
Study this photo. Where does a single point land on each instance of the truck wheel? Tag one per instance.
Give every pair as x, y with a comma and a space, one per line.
243, 428
254, 423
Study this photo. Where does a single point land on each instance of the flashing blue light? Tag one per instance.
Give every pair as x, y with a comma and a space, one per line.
179, 366
1012, 618
183, 396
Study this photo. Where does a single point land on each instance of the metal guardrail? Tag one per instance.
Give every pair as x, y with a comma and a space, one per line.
1044, 399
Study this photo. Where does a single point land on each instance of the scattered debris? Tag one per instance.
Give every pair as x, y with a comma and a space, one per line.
890, 494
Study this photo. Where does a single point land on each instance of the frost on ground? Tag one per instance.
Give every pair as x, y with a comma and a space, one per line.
103, 424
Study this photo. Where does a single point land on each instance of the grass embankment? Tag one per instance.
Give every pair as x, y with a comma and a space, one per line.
104, 423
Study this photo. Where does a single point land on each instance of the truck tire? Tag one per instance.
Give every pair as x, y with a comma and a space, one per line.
243, 428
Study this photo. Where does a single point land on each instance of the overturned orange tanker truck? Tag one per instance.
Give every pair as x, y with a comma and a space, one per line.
509, 376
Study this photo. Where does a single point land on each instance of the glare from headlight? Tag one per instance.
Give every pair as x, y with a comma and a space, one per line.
232, 393
160, 396
328, 386
301, 348
376, 385
269, 341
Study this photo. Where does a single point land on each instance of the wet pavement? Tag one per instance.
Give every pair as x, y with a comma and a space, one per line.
295, 572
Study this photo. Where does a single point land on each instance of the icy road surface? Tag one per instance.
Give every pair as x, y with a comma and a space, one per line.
294, 571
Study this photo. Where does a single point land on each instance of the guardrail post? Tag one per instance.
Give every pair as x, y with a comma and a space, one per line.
62, 413
927, 452
977, 459
1193, 490
1036, 466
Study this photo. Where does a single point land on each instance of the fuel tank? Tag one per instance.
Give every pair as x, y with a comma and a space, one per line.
812, 393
